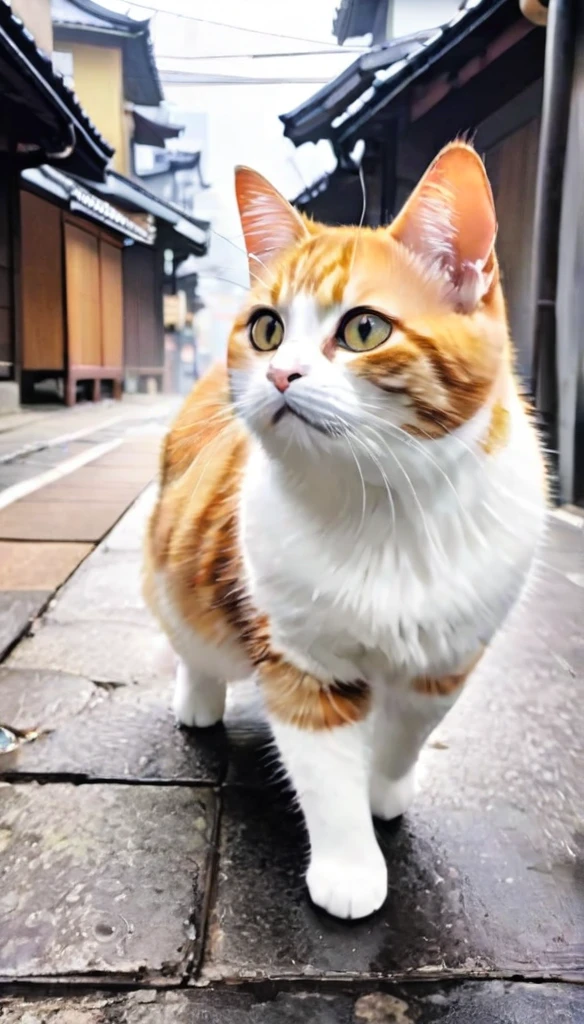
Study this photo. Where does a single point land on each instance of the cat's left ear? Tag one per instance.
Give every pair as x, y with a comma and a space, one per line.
269, 223
450, 222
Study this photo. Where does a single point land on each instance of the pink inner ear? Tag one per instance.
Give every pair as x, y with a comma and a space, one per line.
449, 221
269, 223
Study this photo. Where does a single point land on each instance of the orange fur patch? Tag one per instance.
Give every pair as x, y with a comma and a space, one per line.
299, 699
444, 686
498, 432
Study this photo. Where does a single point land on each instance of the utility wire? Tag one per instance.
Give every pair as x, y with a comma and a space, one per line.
195, 78
239, 28
258, 56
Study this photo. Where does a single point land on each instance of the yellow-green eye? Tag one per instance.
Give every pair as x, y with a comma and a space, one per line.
266, 330
360, 330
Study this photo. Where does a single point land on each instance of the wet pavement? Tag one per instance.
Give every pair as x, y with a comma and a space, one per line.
170, 862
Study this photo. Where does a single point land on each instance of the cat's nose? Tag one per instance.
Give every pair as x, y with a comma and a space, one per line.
282, 379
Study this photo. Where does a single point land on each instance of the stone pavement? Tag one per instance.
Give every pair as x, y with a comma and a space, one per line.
66, 476
150, 875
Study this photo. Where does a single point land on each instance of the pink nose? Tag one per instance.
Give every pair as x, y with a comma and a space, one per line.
282, 379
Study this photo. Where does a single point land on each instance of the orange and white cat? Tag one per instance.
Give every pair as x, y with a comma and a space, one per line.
349, 508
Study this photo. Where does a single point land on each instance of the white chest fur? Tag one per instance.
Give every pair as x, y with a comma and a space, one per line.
365, 583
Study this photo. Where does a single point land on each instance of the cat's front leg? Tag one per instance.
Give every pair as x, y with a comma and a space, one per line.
404, 718
323, 735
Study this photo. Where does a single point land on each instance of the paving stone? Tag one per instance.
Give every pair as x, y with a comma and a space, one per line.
71, 521
107, 588
18, 608
107, 652
43, 700
484, 871
128, 535
102, 879
467, 894
100, 492
492, 1002
38, 566
96, 732
95, 475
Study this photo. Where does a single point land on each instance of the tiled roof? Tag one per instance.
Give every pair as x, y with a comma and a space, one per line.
338, 111
170, 217
38, 64
91, 15
82, 200
141, 79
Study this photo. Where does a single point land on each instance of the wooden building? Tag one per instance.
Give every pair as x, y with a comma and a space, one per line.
41, 121
72, 284
481, 75
109, 58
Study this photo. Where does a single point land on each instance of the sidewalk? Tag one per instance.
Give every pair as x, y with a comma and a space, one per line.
66, 476
134, 854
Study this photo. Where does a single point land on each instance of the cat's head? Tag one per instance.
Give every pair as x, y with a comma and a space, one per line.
352, 338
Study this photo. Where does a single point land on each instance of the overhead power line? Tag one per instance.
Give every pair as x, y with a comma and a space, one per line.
258, 56
196, 78
238, 28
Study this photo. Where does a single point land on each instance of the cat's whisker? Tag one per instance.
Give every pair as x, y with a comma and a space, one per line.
256, 259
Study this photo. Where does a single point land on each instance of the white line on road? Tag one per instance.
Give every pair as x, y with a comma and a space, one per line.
69, 466
54, 442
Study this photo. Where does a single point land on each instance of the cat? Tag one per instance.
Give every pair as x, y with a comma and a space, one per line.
349, 508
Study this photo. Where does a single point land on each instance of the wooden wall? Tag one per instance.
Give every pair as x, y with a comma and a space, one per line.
72, 292
84, 329
143, 327
570, 295
512, 167
112, 304
43, 318
6, 311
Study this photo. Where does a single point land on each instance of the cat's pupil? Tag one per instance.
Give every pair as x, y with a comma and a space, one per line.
364, 328
271, 327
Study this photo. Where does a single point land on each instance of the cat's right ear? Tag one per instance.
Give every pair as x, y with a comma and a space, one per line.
450, 222
269, 223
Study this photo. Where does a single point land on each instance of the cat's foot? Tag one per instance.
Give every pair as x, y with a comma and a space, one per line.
199, 701
348, 889
391, 798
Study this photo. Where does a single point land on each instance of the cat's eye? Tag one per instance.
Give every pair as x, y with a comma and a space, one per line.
266, 330
361, 330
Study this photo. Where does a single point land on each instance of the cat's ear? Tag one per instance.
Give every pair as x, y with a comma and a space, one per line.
269, 223
450, 222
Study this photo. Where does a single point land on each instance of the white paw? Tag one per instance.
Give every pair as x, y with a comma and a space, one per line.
197, 703
348, 889
391, 797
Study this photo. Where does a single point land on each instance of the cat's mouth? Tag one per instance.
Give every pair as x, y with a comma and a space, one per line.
281, 412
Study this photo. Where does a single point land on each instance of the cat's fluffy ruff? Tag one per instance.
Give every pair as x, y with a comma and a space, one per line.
357, 538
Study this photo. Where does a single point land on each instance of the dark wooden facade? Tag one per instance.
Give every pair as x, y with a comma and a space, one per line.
7, 354
143, 326
72, 299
